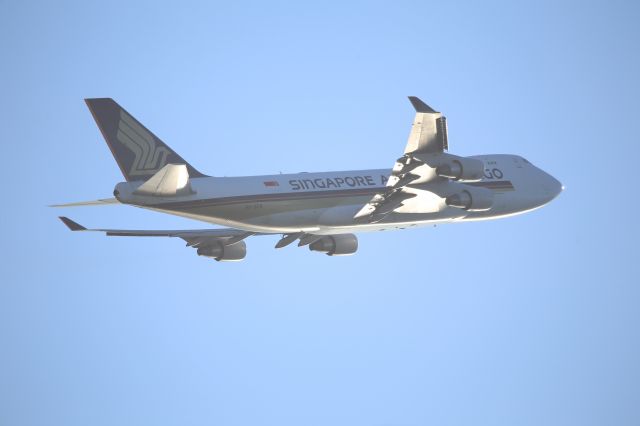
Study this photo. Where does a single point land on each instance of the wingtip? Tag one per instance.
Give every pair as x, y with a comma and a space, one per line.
71, 224
420, 106
91, 102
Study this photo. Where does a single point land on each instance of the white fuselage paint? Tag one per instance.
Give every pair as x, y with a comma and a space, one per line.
325, 203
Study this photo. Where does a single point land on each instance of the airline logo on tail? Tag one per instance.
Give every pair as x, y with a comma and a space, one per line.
149, 157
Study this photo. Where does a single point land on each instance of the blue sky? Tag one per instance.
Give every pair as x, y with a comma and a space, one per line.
529, 320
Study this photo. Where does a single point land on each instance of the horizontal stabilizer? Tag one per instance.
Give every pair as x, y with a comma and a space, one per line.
101, 202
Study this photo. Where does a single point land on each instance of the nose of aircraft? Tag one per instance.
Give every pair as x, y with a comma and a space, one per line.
552, 186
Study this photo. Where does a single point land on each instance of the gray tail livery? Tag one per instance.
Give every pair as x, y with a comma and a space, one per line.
139, 153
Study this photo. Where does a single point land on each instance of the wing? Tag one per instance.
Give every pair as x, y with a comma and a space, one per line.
429, 129
428, 136
209, 242
205, 240
182, 233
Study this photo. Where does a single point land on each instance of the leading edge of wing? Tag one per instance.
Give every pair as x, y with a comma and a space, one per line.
181, 233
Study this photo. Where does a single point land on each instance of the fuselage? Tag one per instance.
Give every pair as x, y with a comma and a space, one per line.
323, 211
326, 202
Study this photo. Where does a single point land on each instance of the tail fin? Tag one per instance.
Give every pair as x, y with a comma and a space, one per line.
139, 153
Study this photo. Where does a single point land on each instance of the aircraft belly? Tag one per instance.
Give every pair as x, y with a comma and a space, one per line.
282, 215
318, 215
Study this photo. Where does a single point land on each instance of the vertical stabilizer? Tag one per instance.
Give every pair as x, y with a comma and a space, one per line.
139, 153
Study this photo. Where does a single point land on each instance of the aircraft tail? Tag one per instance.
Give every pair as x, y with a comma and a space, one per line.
139, 153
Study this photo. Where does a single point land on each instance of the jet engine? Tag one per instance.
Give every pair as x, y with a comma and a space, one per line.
465, 169
336, 245
224, 253
454, 167
471, 199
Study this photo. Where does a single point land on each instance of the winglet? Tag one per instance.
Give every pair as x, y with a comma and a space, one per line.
421, 106
71, 224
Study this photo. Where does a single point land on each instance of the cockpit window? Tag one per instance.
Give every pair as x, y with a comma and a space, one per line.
525, 160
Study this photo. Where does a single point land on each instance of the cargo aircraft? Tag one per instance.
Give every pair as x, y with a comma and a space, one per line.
427, 185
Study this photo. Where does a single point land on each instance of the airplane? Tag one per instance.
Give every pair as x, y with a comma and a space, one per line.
426, 186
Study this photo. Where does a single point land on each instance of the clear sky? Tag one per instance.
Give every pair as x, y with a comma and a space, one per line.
530, 320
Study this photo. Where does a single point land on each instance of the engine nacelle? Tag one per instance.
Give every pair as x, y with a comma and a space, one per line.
472, 199
224, 253
451, 166
462, 169
336, 245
